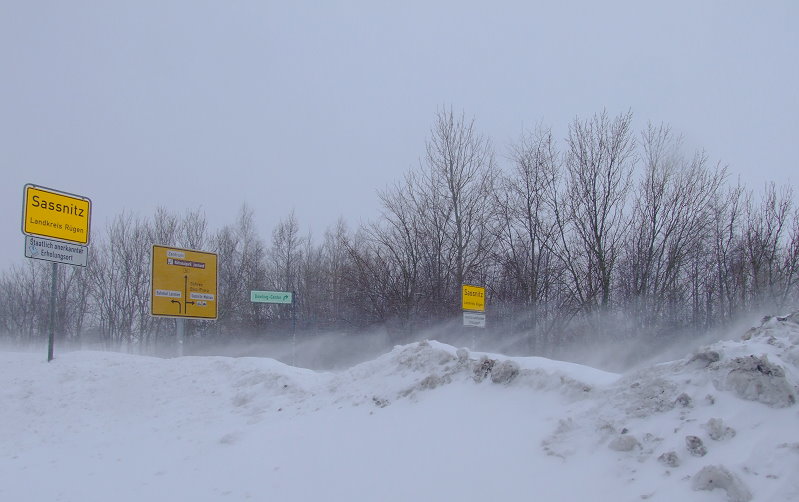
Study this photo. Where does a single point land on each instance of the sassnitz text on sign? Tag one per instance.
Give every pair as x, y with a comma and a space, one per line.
57, 215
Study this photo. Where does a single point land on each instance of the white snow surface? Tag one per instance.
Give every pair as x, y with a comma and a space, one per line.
425, 422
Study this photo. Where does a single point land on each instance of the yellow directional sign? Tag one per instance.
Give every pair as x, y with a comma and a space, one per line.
474, 298
57, 215
183, 283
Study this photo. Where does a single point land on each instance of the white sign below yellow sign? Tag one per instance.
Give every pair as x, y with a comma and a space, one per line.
56, 251
474, 320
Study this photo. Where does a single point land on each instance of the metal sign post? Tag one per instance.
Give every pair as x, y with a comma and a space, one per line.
183, 284
180, 327
56, 225
51, 335
473, 304
293, 330
282, 297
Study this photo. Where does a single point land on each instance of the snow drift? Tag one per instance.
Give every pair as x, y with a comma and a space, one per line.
426, 421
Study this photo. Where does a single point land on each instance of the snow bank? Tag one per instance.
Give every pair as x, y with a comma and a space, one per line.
425, 421
713, 417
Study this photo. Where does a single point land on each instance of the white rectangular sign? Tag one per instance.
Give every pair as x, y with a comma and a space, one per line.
40, 248
474, 320
168, 293
271, 296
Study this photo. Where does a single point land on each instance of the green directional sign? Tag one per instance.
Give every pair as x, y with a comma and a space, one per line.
271, 296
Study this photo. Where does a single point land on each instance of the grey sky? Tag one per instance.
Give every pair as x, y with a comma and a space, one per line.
314, 106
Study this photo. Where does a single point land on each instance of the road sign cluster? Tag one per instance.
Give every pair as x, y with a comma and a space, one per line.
56, 226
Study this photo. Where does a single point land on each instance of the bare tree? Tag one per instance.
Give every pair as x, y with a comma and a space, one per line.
670, 217
527, 231
120, 274
285, 259
461, 172
165, 227
401, 234
312, 301
240, 269
436, 252
727, 292
590, 214
22, 290
341, 306
763, 237
790, 266
370, 280
193, 230
285, 254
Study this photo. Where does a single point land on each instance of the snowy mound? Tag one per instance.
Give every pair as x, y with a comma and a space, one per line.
425, 421
723, 417
410, 369
763, 366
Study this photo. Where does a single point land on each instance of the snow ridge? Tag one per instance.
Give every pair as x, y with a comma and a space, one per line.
425, 421
712, 416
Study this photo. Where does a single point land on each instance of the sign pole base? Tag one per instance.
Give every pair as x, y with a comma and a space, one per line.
293, 329
180, 325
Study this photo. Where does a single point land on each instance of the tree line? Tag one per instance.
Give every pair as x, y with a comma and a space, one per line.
607, 233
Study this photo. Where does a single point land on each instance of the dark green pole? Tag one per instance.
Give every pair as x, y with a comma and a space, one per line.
53, 284
293, 328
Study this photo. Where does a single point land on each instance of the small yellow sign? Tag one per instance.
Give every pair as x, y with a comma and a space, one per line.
57, 215
474, 298
183, 283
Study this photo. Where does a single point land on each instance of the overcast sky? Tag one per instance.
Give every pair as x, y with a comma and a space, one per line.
313, 106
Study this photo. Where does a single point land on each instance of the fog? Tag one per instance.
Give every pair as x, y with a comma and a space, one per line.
336, 351
610, 343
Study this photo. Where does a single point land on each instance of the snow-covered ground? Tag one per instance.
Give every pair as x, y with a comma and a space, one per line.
425, 422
